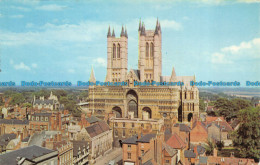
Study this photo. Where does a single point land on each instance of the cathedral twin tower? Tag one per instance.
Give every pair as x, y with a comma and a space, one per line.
149, 55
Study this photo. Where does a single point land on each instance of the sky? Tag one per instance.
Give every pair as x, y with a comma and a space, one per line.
214, 40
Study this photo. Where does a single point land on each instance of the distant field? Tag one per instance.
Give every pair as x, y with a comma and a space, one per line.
239, 91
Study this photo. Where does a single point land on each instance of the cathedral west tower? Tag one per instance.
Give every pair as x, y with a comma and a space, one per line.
150, 53
117, 51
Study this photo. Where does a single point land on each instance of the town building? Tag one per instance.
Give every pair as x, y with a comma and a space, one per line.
100, 138
51, 103
124, 128
45, 121
29, 155
13, 126
81, 153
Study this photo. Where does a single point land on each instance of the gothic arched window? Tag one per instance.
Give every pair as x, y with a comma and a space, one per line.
147, 50
151, 50
114, 50
118, 51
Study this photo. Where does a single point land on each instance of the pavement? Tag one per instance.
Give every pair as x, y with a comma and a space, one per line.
115, 154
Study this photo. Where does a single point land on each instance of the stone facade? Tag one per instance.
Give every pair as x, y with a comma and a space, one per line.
144, 102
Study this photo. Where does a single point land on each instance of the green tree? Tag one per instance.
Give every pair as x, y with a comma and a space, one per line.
210, 147
202, 105
247, 137
17, 98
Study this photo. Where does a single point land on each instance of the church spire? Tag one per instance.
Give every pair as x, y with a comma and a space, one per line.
109, 33
173, 76
143, 29
140, 25
126, 35
92, 76
122, 32
113, 33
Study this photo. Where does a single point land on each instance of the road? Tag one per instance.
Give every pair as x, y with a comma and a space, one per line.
115, 154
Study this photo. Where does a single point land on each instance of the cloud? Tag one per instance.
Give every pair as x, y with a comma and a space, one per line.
82, 32
244, 51
20, 8
52, 7
16, 16
150, 23
100, 62
29, 25
34, 65
218, 58
21, 66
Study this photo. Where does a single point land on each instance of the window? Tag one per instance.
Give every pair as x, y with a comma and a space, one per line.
114, 51
142, 151
37, 118
128, 147
116, 133
123, 133
116, 125
147, 49
46, 119
133, 125
118, 51
123, 124
151, 50
128, 155
167, 161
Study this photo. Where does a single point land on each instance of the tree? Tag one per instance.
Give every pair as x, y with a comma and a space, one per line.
17, 98
230, 108
247, 137
210, 147
202, 105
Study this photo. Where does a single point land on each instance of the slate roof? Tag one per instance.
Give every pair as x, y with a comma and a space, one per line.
92, 119
137, 73
149, 162
182, 127
189, 154
14, 121
97, 128
6, 138
26, 139
44, 102
200, 149
146, 138
167, 134
30, 153
131, 140
170, 150
41, 114
203, 159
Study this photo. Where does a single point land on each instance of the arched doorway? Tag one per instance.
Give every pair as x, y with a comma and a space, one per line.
180, 113
132, 101
117, 111
133, 108
190, 115
147, 113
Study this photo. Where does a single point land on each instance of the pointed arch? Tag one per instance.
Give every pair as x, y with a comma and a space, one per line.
114, 50
147, 50
151, 49
118, 50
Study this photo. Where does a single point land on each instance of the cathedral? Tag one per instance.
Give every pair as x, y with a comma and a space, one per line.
142, 102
